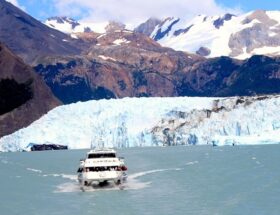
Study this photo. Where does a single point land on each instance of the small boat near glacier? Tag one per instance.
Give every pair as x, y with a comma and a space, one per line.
101, 167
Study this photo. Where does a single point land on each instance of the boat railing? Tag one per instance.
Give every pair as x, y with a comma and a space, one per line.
121, 158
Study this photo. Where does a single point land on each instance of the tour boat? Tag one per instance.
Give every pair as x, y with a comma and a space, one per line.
102, 166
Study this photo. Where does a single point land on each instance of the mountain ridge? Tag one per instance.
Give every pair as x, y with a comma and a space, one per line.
237, 36
29, 38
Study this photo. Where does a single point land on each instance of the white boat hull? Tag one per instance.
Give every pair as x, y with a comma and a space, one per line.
87, 178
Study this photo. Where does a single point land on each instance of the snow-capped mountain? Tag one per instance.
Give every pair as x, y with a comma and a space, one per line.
70, 26
154, 122
67, 25
239, 37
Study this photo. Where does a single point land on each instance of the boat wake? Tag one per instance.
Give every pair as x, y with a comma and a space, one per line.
132, 183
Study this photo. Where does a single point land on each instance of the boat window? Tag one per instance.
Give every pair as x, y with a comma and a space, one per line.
100, 155
100, 169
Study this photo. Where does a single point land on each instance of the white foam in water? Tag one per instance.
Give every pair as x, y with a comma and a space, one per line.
140, 174
54, 175
69, 187
71, 177
132, 183
192, 163
34, 170
67, 176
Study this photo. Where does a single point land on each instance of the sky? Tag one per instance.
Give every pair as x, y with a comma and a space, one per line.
133, 11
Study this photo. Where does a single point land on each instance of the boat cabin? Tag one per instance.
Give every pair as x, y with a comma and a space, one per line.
93, 154
101, 155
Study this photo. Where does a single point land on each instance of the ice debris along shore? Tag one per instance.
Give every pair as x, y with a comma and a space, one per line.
131, 122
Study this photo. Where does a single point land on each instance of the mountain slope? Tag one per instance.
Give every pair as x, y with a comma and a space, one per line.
24, 97
127, 64
118, 64
224, 76
29, 38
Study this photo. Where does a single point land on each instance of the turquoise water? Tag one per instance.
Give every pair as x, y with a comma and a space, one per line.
170, 180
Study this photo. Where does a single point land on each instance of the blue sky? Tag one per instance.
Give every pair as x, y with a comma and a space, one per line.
134, 10
249, 5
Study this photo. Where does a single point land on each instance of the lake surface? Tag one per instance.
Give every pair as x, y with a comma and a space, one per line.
167, 180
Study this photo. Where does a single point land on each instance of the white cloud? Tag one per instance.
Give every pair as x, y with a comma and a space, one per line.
135, 11
15, 2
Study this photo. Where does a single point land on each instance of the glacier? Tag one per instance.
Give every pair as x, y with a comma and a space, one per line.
133, 122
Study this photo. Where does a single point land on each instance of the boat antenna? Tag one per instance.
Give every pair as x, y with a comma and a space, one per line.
91, 144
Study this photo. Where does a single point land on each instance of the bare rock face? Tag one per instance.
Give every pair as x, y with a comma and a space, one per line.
220, 21
114, 26
261, 16
24, 97
203, 51
265, 33
148, 27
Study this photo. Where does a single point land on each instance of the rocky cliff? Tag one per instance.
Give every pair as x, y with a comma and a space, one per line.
24, 97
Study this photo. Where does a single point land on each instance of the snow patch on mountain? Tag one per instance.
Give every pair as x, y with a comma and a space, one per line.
120, 41
106, 58
268, 51
274, 15
132, 122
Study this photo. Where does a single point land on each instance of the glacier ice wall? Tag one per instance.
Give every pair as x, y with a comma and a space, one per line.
113, 123
133, 122
230, 121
